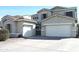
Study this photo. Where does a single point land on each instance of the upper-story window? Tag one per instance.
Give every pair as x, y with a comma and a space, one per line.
44, 16
35, 17
70, 14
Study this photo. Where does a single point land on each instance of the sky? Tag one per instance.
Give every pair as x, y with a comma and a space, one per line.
20, 10
23, 10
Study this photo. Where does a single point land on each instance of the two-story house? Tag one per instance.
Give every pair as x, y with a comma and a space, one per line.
57, 21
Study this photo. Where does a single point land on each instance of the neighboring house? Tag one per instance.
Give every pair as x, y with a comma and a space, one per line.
19, 25
58, 21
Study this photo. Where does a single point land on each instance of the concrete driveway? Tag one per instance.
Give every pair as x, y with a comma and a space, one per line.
21, 44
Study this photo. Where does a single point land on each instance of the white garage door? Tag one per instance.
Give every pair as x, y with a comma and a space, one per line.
60, 31
27, 30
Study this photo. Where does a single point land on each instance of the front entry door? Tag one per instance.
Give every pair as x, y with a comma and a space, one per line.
38, 30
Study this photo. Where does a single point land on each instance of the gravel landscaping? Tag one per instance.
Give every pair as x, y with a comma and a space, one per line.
21, 44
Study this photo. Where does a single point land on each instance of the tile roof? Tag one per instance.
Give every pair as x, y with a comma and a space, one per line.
26, 20
18, 18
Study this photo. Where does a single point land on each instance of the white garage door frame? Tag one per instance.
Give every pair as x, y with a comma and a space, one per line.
30, 28
64, 35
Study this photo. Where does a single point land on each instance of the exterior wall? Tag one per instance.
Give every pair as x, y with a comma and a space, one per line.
43, 30
39, 15
58, 20
13, 25
19, 27
74, 30
63, 11
43, 12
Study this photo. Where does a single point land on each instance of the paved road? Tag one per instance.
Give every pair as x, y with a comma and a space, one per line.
21, 44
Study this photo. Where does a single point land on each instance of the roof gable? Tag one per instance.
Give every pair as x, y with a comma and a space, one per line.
44, 9
58, 7
58, 16
6, 18
17, 18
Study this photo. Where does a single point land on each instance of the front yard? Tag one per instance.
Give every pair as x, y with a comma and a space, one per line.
21, 44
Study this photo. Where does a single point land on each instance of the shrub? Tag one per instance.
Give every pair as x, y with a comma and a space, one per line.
4, 34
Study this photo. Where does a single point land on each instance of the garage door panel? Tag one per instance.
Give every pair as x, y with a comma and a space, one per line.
27, 31
60, 31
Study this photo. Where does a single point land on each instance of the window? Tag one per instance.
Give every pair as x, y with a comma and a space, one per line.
70, 14
35, 17
44, 16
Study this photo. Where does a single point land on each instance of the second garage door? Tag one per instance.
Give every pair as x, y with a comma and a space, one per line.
27, 30
59, 31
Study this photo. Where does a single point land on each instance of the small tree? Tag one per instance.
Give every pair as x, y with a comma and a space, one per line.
4, 34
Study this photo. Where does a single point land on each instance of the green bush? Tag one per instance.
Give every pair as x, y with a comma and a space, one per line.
4, 34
